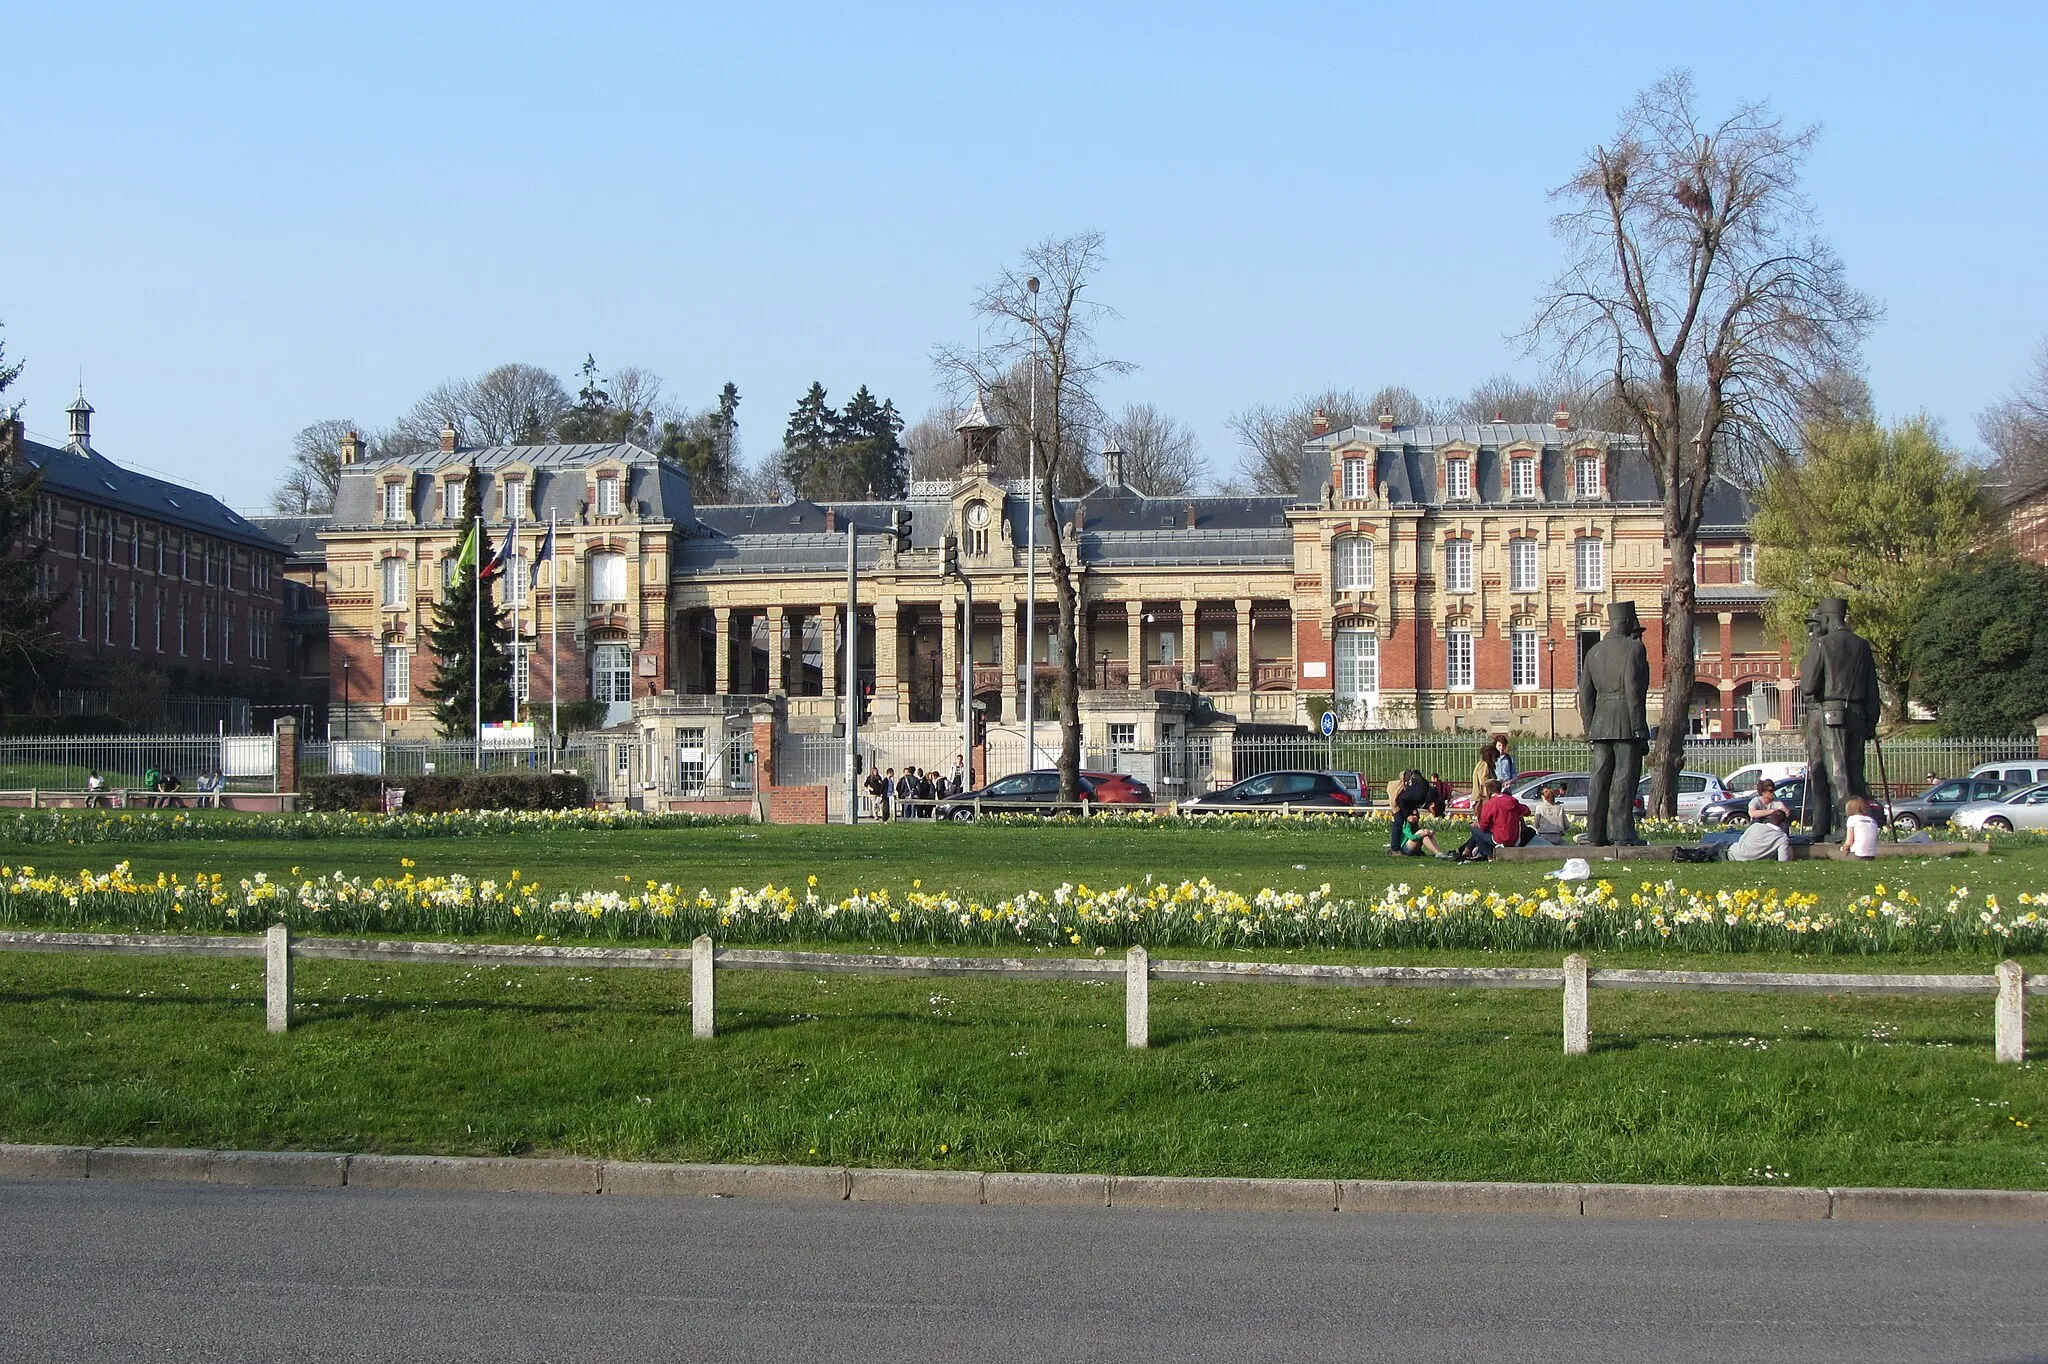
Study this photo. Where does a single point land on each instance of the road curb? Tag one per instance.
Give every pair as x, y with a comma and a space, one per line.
833, 1184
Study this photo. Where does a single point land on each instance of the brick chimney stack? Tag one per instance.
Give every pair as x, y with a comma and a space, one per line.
448, 439
1191, 516
351, 449
831, 520
1561, 419
1319, 425
1386, 421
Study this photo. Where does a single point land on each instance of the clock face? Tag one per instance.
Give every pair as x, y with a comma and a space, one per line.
977, 515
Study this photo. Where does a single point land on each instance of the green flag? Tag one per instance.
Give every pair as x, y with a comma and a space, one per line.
467, 559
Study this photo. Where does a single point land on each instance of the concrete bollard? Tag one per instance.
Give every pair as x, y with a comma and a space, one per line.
1577, 1031
1137, 998
277, 978
703, 960
2011, 1043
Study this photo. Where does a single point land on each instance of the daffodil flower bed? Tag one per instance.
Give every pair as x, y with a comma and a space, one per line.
1374, 821
1595, 914
165, 826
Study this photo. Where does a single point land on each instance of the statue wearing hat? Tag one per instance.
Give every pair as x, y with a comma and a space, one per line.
1818, 813
1614, 694
1838, 678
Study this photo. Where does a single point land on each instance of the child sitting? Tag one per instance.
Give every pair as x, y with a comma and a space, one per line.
1861, 839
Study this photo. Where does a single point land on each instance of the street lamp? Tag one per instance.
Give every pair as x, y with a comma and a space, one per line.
1550, 672
344, 698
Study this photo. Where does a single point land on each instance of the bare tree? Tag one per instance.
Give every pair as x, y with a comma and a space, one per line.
2017, 431
934, 443
1503, 397
1162, 457
307, 488
1039, 310
510, 405
1693, 261
1272, 436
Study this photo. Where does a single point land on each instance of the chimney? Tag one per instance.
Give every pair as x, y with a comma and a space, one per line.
448, 439
1561, 419
831, 520
80, 413
1191, 516
1386, 421
1319, 424
10, 437
1112, 464
351, 449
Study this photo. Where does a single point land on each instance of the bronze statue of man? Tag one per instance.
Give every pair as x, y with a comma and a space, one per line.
1819, 801
1614, 693
1838, 677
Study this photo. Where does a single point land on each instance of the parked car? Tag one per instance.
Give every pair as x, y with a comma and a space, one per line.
2017, 773
2026, 808
1742, 781
1353, 782
1038, 793
1696, 791
1734, 809
1300, 790
1938, 802
1528, 787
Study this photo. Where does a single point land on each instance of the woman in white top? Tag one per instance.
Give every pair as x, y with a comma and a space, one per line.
1860, 840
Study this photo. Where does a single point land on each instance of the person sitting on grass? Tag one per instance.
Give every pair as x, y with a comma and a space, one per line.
1409, 796
1499, 825
1768, 832
95, 788
1411, 839
1549, 823
1860, 841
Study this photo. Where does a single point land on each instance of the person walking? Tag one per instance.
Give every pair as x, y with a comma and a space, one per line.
888, 795
1503, 762
906, 794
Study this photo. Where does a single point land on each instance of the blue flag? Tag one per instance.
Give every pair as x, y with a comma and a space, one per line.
546, 555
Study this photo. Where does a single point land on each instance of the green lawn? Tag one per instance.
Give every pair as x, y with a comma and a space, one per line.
1247, 1080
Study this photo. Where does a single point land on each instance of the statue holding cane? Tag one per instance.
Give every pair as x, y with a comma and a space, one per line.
1818, 807
1838, 678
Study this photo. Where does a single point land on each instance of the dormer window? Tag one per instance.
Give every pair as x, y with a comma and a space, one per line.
1357, 479
1586, 478
1458, 480
1522, 478
394, 501
513, 498
451, 498
608, 495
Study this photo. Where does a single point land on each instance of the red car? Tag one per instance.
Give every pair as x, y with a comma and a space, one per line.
1461, 804
1037, 793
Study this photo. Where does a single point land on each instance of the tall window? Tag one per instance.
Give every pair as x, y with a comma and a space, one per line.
516, 572
1745, 563
611, 673
1522, 478
227, 631
1525, 674
451, 498
1358, 665
1457, 566
1353, 568
397, 674
392, 571
1589, 559
157, 621
1523, 565
514, 500
522, 673
1458, 660
1586, 477
205, 628
107, 601
182, 649
608, 497
134, 616
394, 501
1357, 478
1458, 480
608, 577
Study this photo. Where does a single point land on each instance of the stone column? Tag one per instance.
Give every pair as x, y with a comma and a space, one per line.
1727, 620
1190, 645
721, 658
1244, 679
1010, 702
1134, 642
778, 650
286, 730
949, 660
888, 669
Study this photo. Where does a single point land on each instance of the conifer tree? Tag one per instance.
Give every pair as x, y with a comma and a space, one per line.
453, 637
808, 441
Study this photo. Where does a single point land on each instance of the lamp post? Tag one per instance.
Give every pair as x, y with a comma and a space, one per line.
1029, 672
344, 698
1550, 674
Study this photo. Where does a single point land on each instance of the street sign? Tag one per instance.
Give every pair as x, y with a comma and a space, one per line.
1329, 723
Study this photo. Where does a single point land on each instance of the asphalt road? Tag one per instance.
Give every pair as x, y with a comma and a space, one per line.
93, 1270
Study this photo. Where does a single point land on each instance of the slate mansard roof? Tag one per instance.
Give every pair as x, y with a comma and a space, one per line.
88, 476
1405, 462
656, 489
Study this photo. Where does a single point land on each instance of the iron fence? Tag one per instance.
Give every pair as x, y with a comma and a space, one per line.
246, 762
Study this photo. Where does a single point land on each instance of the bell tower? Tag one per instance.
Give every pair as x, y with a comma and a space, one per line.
978, 436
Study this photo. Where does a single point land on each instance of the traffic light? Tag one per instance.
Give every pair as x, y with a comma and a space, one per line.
899, 526
952, 553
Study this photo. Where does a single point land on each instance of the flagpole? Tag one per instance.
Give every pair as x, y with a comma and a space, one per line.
476, 657
515, 566
554, 647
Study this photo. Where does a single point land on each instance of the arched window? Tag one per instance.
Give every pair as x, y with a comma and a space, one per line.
1352, 566
608, 577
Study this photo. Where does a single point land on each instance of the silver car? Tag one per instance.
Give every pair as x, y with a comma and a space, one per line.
2026, 808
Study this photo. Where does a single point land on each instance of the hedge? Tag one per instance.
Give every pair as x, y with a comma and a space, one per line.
468, 791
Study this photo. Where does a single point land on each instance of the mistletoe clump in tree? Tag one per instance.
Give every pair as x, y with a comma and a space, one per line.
454, 635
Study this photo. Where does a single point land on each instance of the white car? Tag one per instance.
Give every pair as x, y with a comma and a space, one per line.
1695, 791
1742, 781
2026, 808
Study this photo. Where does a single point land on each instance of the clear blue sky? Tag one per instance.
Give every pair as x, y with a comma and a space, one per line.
233, 221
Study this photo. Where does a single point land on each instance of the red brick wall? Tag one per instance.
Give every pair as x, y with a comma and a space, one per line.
796, 805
